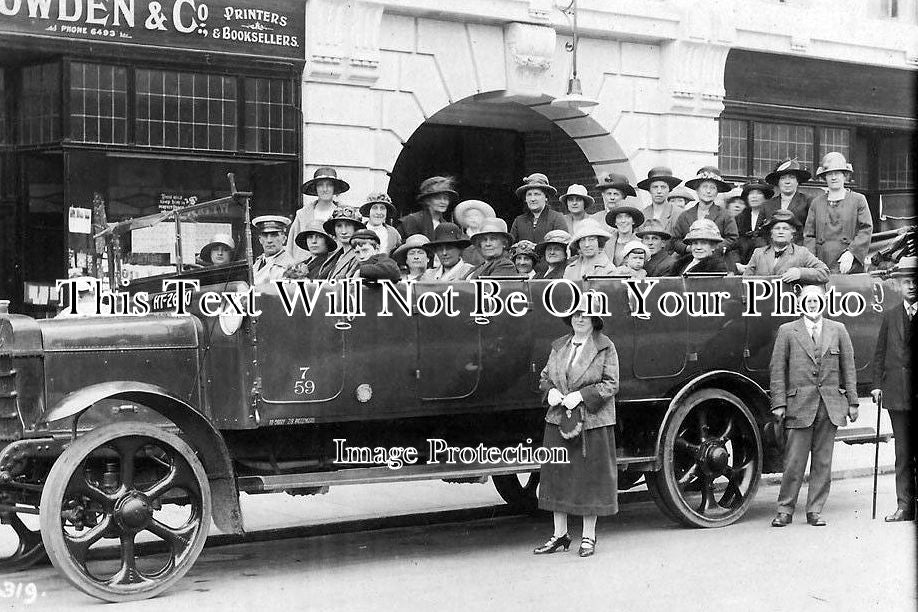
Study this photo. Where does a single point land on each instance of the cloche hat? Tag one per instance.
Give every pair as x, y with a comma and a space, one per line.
448, 234
414, 241
537, 180
218, 240
834, 161
378, 197
577, 190
525, 247
782, 216
494, 226
756, 183
325, 174
553, 237
655, 227
703, 229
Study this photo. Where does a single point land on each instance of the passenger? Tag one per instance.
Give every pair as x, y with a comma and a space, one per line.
614, 188
533, 224
659, 261
633, 264
448, 246
576, 201
553, 252
665, 209
434, 197
623, 221
412, 258
749, 224
707, 185
492, 242
838, 226
581, 380
787, 177
813, 392
373, 265
470, 215
378, 211
274, 260
703, 241
218, 251
524, 258
792, 262
343, 262
315, 241
325, 185
735, 206
589, 257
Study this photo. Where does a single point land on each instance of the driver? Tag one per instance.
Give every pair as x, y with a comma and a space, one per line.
274, 260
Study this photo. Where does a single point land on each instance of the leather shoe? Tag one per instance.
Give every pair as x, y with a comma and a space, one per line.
553, 544
900, 515
587, 547
782, 519
815, 520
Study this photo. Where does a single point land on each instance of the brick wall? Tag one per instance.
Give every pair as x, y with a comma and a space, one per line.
557, 155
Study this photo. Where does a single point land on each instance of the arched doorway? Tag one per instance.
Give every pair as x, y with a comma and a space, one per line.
489, 147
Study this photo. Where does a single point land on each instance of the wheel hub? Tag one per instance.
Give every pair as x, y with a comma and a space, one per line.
134, 511
713, 458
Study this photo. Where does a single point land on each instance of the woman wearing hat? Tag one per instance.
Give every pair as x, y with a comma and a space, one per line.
782, 257
524, 258
587, 245
471, 215
580, 377
659, 260
412, 258
749, 224
448, 246
576, 200
378, 210
218, 251
492, 242
614, 188
838, 226
553, 251
342, 225
703, 241
324, 185
533, 224
661, 184
319, 245
434, 197
707, 184
787, 176
622, 220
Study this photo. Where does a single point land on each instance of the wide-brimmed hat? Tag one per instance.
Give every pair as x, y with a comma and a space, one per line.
906, 266
466, 205
834, 161
660, 173
448, 234
588, 227
710, 173
364, 234
782, 216
325, 174
788, 166
703, 229
579, 191
525, 247
271, 223
682, 192
537, 180
343, 213
414, 241
756, 183
315, 228
494, 226
553, 237
436, 185
636, 215
218, 240
378, 197
611, 180
655, 227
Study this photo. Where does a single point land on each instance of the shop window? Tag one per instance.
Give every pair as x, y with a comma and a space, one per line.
733, 149
835, 139
40, 104
774, 142
185, 110
98, 103
270, 116
896, 159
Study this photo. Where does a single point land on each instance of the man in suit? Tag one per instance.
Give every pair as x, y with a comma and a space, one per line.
792, 262
892, 378
813, 390
787, 177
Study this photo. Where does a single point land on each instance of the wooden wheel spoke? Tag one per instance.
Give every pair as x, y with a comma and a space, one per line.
79, 544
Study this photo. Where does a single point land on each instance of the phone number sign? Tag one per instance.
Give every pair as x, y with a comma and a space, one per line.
270, 28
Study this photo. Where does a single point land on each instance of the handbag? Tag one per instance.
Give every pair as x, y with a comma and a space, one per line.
571, 422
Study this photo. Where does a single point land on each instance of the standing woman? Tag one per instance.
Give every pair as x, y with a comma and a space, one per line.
581, 376
324, 185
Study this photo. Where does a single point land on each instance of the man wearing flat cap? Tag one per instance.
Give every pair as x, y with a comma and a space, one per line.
539, 219
274, 260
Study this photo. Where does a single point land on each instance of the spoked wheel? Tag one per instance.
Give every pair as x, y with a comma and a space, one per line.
712, 460
20, 541
113, 484
520, 491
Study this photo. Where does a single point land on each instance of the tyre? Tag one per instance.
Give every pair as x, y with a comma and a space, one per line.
21, 546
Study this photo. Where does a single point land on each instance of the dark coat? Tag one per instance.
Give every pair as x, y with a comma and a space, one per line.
523, 229
553, 274
501, 266
416, 223
764, 263
799, 205
749, 238
892, 360
660, 264
724, 222
832, 230
379, 267
801, 374
594, 374
714, 263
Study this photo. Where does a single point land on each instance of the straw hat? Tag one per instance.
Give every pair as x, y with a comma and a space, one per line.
553, 237
588, 227
493, 226
580, 191
466, 205
414, 241
682, 192
834, 161
703, 229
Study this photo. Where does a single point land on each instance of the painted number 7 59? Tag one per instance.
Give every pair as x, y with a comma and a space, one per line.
304, 386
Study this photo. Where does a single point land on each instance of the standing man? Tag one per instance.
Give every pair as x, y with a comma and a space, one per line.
813, 390
892, 378
539, 219
787, 177
274, 260
659, 183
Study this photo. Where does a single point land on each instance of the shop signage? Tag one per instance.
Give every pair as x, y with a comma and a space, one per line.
269, 28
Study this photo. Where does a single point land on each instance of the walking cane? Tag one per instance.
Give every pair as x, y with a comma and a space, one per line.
876, 457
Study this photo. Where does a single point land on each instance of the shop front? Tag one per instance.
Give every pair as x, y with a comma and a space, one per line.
116, 110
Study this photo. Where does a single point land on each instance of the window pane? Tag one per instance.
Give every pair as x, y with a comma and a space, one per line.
98, 103
733, 148
775, 142
270, 115
896, 158
40, 106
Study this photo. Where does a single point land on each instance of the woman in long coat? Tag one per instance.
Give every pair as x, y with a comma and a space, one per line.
581, 375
